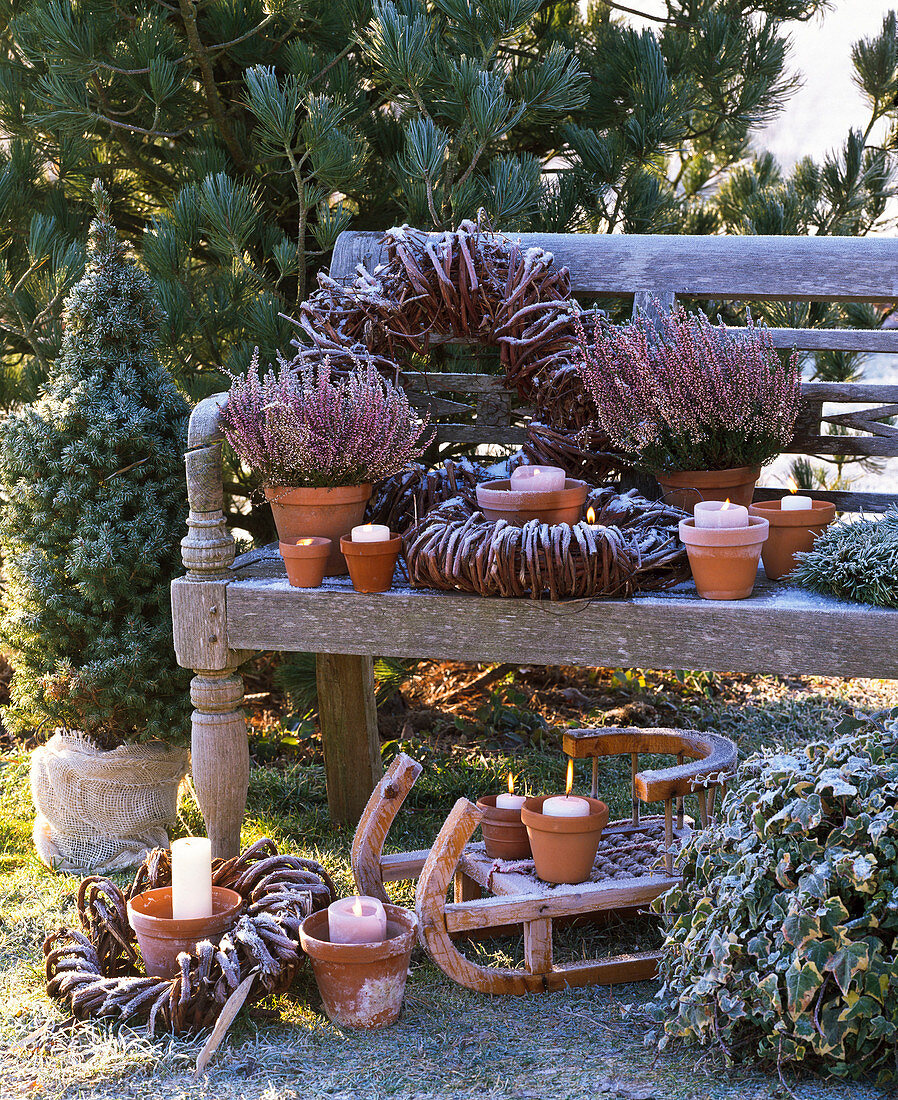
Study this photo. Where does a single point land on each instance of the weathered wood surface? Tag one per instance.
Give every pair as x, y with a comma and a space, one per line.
347, 715
780, 629
731, 267
711, 757
374, 824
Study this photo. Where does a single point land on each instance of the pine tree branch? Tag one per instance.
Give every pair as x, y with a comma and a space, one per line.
201, 57
336, 61
677, 22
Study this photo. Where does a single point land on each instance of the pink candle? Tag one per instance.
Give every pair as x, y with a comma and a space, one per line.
713, 513
356, 920
537, 479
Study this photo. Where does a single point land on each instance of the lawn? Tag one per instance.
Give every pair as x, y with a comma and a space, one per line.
469, 727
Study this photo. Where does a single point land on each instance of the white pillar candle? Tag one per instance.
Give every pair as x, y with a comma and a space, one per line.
510, 801
566, 805
370, 532
715, 513
537, 479
796, 503
191, 878
357, 919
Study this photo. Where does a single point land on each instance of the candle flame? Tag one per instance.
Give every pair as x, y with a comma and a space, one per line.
793, 485
357, 910
305, 542
510, 783
569, 783
590, 516
726, 504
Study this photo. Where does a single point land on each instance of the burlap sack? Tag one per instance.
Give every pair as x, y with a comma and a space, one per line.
102, 811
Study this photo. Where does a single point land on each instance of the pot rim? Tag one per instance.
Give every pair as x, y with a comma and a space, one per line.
327, 951
499, 494
312, 494
820, 514
730, 475
232, 903
318, 547
497, 815
724, 537
392, 545
595, 821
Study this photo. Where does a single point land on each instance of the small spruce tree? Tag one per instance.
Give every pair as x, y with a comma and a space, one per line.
93, 481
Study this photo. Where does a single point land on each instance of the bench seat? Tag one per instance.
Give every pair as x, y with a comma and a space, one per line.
781, 629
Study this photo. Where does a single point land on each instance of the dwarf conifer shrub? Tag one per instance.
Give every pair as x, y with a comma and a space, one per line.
92, 476
783, 945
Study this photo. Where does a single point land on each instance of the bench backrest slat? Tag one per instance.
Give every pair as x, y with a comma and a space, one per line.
838, 269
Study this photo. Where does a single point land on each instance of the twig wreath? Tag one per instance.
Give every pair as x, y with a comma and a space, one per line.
97, 970
631, 546
471, 284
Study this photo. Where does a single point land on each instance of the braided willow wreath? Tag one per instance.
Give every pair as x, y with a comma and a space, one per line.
472, 284
632, 547
97, 970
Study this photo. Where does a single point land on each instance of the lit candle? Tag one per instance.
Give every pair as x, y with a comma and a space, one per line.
510, 801
713, 513
591, 519
566, 805
537, 479
356, 920
191, 878
371, 532
795, 503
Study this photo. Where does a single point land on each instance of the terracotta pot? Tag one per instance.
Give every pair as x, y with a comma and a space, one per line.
685, 488
724, 561
371, 564
361, 984
162, 939
326, 513
497, 501
564, 848
306, 561
504, 834
790, 532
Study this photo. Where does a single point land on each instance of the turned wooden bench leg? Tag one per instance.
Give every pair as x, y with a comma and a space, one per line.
347, 712
220, 756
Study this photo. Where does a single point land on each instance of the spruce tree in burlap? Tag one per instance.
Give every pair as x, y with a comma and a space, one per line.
93, 477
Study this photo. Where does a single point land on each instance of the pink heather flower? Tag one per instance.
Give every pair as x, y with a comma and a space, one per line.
684, 394
306, 427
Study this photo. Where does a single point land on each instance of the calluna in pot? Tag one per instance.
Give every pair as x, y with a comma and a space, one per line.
319, 441
680, 396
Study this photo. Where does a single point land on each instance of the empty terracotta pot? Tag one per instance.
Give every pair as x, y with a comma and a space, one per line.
497, 500
327, 513
790, 532
362, 985
306, 561
504, 834
685, 488
371, 564
724, 561
162, 939
564, 848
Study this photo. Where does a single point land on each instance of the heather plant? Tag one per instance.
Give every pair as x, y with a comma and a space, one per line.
301, 425
782, 944
674, 392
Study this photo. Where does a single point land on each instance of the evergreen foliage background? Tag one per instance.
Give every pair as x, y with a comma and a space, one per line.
92, 480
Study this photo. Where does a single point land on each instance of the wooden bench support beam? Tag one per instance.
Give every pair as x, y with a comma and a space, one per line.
347, 713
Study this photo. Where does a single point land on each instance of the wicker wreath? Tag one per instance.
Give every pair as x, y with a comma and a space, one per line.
632, 547
472, 284
97, 970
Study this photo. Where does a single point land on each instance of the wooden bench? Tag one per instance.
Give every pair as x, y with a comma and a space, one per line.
225, 610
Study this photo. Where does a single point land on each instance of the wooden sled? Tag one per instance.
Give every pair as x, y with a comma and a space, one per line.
514, 895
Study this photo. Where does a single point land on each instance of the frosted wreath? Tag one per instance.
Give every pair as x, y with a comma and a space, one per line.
96, 970
631, 547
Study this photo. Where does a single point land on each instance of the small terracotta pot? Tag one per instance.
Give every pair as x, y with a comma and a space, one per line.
327, 513
724, 561
162, 939
497, 500
685, 488
564, 848
372, 564
790, 532
306, 563
361, 984
504, 834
